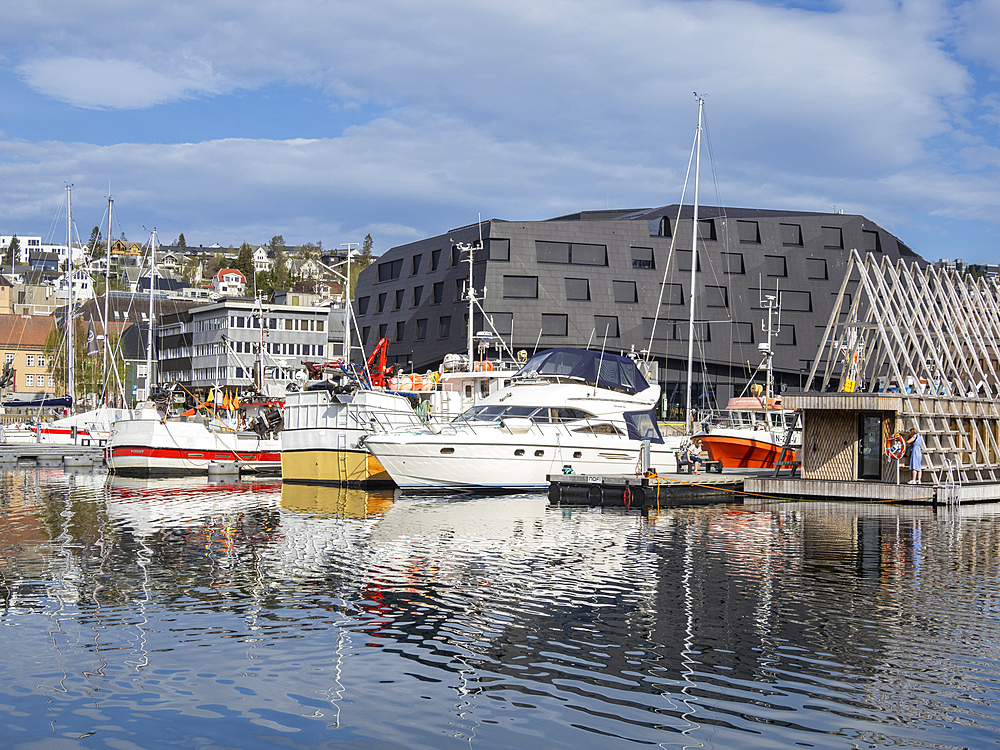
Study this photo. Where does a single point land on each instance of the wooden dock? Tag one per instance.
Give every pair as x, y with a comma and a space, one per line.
885, 492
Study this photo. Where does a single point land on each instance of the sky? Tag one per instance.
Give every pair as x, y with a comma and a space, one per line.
326, 120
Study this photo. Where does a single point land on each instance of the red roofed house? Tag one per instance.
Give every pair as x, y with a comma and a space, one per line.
229, 282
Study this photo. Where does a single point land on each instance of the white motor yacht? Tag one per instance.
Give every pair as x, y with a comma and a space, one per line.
566, 411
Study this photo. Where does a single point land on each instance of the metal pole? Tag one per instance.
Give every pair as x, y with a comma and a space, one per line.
694, 268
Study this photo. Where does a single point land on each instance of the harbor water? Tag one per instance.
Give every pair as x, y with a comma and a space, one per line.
239, 614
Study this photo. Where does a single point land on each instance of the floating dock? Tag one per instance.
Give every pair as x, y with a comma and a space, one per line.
639, 492
885, 492
15, 455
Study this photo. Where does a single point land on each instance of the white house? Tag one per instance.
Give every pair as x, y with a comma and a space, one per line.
263, 259
229, 282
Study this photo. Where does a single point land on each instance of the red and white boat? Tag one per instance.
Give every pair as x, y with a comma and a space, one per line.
150, 445
752, 430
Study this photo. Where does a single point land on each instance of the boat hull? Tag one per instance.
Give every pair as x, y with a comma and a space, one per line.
743, 452
351, 467
152, 448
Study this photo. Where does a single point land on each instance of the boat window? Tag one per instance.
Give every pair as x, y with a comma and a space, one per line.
599, 428
539, 453
519, 452
577, 454
446, 451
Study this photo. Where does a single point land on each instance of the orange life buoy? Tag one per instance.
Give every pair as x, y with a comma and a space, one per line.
895, 446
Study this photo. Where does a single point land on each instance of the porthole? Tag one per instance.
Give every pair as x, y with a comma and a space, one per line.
519, 452
539, 453
446, 451
577, 454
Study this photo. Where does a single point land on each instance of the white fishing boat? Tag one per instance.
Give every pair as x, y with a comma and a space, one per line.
565, 411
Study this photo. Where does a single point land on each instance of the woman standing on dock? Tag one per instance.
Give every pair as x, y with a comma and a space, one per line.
916, 440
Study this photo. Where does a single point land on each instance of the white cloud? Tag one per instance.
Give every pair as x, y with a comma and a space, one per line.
108, 84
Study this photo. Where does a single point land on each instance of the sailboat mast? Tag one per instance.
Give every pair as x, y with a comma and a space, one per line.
688, 422
70, 351
107, 287
149, 335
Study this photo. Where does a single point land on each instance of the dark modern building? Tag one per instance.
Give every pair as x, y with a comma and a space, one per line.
601, 279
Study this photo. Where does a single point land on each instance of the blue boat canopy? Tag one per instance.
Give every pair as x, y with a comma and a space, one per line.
604, 370
61, 402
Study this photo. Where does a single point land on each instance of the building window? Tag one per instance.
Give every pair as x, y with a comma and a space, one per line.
706, 229
791, 235
9, 358
41, 360
732, 264
363, 305
398, 301
554, 324
400, 329
444, 327
520, 287
625, 291
435, 259
383, 329
576, 253
390, 270
498, 249
749, 232
774, 265
29, 381
742, 333
381, 303
415, 264
786, 336
684, 260
642, 257
29, 360
673, 294
795, 301
716, 296
459, 289
833, 237
364, 334
503, 323
816, 268
578, 289
418, 292
420, 333
872, 242
606, 326
437, 293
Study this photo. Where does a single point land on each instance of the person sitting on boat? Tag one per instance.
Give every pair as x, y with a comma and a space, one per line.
694, 456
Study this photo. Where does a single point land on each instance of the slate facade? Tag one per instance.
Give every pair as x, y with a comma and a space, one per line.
598, 278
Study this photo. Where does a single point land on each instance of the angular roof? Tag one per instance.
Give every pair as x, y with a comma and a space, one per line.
25, 331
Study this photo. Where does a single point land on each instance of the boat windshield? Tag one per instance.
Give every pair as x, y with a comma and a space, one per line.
606, 370
540, 414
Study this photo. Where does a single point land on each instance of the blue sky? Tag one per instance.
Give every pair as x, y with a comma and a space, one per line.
323, 120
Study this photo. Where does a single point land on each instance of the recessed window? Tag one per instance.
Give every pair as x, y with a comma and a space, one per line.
459, 289
793, 301
742, 333
435, 259
625, 291
786, 336
520, 287
578, 289
418, 292
606, 326
716, 296
554, 324
390, 270
437, 293
816, 268
872, 242
503, 323
642, 257
383, 329
684, 260
363, 305
732, 264
364, 334
791, 235
398, 299
749, 232
774, 265
673, 294
833, 237
400, 330
420, 331
415, 264
498, 249
444, 327
577, 253
381, 302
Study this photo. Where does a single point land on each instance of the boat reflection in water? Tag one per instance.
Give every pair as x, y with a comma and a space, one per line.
133, 610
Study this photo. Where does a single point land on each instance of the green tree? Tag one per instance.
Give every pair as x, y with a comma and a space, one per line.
244, 262
95, 243
360, 262
277, 242
181, 242
12, 250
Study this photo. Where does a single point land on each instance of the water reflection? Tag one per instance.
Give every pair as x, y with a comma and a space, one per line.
320, 616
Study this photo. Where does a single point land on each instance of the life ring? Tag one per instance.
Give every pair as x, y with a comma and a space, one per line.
895, 446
